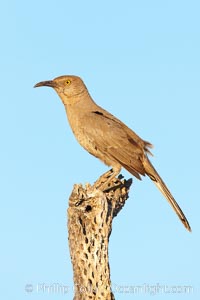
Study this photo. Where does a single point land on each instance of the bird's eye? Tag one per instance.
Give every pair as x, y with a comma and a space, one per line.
68, 82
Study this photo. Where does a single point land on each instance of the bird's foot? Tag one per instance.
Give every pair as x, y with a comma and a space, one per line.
108, 181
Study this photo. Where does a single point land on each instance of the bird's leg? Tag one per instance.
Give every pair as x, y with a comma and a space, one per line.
104, 182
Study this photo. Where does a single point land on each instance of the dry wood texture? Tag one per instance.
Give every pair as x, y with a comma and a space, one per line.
90, 216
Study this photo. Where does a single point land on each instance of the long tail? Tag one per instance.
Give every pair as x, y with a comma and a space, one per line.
152, 173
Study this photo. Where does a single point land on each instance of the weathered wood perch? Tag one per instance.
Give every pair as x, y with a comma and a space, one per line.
90, 216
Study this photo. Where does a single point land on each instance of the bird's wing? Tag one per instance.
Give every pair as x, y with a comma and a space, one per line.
116, 140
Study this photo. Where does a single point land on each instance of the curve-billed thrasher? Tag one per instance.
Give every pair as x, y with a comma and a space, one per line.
106, 137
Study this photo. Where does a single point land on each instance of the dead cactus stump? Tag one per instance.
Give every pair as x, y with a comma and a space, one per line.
90, 216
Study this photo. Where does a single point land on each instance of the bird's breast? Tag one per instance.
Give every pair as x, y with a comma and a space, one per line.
85, 135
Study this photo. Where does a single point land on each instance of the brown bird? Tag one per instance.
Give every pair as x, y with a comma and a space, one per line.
106, 137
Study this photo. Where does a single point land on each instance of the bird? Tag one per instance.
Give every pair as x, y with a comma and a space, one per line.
106, 137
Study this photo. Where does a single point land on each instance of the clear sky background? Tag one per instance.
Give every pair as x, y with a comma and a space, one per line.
141, 61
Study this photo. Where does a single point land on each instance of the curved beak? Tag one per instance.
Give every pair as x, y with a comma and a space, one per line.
50, 83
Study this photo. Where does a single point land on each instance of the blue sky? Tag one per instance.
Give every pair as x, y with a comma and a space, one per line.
140, 60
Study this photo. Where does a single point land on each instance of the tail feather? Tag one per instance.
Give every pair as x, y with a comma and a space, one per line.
152, 173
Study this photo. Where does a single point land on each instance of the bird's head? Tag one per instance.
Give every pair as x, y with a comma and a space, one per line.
68, 87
